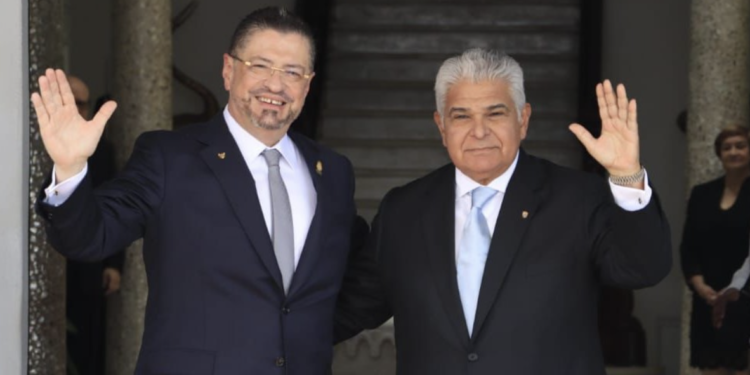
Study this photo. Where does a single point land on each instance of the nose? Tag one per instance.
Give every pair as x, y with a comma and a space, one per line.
480, 129
274, 83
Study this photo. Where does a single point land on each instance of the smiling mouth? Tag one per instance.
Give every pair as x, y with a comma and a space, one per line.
263, 99
481, 149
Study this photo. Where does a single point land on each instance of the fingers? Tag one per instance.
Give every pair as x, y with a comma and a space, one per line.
632, 122
41, 112
54, 88
611, 100
583, 135
104, 114
65, 92
46, 94
622, 103
603, 113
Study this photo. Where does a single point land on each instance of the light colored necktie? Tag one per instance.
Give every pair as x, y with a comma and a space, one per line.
472, 254
281, 213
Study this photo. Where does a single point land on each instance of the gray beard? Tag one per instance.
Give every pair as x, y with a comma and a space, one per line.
268, 121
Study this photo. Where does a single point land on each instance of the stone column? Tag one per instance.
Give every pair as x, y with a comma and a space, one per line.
719, 92
143, 91
48, 45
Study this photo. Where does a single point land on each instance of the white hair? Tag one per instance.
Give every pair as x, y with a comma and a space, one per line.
478, 64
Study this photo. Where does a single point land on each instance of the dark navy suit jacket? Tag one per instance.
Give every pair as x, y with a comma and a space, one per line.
216, 303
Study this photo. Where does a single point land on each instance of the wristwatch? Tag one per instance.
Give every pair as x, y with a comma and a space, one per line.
629, 180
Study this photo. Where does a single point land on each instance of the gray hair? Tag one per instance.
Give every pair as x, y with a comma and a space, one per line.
478, 64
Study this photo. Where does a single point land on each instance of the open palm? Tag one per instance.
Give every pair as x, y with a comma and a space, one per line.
68, 138
617, 147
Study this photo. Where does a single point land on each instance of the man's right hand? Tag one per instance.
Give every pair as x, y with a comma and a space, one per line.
68, 138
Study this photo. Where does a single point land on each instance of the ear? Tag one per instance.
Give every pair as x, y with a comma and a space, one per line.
309, 81
227, 71
440, 125
525, 116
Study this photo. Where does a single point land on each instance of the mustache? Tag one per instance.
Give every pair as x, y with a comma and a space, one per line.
260, 92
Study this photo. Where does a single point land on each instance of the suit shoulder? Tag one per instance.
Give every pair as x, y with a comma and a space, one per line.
422, 185
562, 175
302, 141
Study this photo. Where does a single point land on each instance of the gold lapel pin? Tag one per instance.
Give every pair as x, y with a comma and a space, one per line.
319, 168
525, 214
222, 155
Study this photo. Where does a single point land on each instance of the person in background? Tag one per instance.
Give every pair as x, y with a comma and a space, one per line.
714, 245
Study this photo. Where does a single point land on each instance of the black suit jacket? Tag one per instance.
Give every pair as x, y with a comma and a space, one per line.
559, 237
216, 303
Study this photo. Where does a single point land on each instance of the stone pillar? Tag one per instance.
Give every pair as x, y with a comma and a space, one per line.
48, 47
143, 91
719, 92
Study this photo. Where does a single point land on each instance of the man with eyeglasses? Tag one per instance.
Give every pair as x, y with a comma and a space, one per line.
246, 227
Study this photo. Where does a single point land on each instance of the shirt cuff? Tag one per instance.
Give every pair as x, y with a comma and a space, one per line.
632, 199
739, 279
57, 194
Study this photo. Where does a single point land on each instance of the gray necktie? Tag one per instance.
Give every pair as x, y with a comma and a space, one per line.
281, 213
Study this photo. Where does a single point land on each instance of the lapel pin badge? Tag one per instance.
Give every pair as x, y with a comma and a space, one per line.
222, 155
319, 168
525, 214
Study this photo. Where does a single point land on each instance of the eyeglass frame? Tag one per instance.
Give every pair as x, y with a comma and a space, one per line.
273, 68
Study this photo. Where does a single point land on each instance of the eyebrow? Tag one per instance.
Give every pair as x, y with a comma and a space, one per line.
488, 108
457, 109
265, 60
497, 106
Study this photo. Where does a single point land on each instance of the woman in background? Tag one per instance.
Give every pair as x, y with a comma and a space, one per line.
714, 245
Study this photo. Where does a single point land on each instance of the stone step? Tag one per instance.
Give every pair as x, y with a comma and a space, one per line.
421, 69
467, 3
427, 85
348, 16
447, 41
423, 128
368, 214
462, 29
546, 100
523, 58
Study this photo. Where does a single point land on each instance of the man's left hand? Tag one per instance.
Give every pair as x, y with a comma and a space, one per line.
111, 280
617, 147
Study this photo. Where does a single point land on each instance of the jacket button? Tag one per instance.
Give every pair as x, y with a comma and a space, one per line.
285, 310
473, 357
280, 362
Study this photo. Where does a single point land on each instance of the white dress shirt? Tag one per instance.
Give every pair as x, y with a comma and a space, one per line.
294, 172
629, 199
739, 279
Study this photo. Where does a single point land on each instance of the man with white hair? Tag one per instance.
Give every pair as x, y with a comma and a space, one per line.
493, 263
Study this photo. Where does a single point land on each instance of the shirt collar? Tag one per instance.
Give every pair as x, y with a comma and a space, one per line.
252, 148
464, 183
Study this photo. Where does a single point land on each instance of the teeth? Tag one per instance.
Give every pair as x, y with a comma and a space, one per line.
270, 101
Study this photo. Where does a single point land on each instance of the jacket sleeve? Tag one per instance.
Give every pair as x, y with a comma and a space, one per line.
631, 249
362, 303
95, 224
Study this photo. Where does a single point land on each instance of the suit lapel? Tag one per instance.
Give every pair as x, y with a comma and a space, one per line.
438, 222
521, 196
224, 158
312, 248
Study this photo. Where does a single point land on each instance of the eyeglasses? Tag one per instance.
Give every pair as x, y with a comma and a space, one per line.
265, 71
